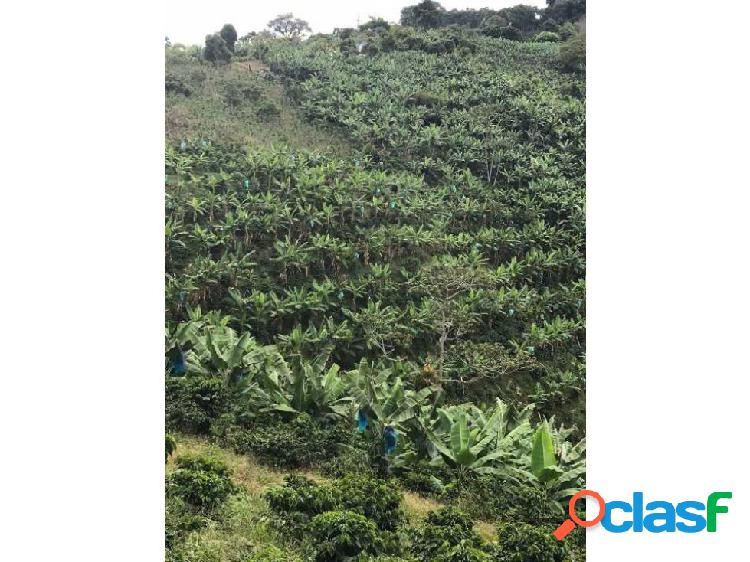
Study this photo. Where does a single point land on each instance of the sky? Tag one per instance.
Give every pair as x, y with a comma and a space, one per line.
189, 21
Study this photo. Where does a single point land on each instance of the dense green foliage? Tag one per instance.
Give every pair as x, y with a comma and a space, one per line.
217, 50
201, 482
573, 52
170, 446
445, 533
525, 19
521, 542
299, 442
343, 523
340, 535
404, 306
229, 34
286, 25
378, 500
235, 103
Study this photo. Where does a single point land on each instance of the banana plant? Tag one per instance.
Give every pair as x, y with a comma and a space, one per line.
561, 478
385, 413
384, 398
470, 442
319, 391
214, 349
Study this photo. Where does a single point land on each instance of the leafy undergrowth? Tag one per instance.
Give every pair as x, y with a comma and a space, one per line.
250, 509
237, 103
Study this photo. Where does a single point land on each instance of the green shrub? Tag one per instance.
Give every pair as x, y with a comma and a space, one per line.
176, 85
494, 497
170, 445
216, 49
268, 110
493, 26
348, 46
201, 482
197, 75
375, 24
573, 53
385, 558
340, 535
291, 444
521, 542
451, 518
269, 553
485, 371
237, 93
223, 425
511, 33
300, 495
423, 99
462, 552
567, 30
444, 534
577, 548
422, 479
378, 500
546, 37
179, 521
351, 460
204, 464
192, 402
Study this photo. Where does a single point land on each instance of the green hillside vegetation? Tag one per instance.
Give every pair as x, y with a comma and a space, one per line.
235, 103
375, 295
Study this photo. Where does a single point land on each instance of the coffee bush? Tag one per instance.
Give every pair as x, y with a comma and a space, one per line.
193, 402
521, 542
378, 500
445, 533
341, 535
201, 482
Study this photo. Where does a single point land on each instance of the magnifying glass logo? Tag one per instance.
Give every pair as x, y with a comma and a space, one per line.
570, 524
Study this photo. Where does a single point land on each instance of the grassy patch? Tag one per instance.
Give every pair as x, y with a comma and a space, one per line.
238, 103
244, 517
241, 531
246, 471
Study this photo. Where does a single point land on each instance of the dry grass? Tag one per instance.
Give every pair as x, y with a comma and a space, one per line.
485, 530
249, 66
246, 471
417, 507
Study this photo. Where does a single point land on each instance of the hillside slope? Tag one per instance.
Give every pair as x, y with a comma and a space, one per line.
238, 103
375, 268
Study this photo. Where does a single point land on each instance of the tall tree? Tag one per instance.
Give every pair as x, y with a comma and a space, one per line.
229, 34
216, 49
425, 15
521, 17
565, 10
288, 26
494, 26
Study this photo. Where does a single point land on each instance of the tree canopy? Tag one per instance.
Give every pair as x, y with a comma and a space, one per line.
286, 25
229, 34
428, 14
216, 49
